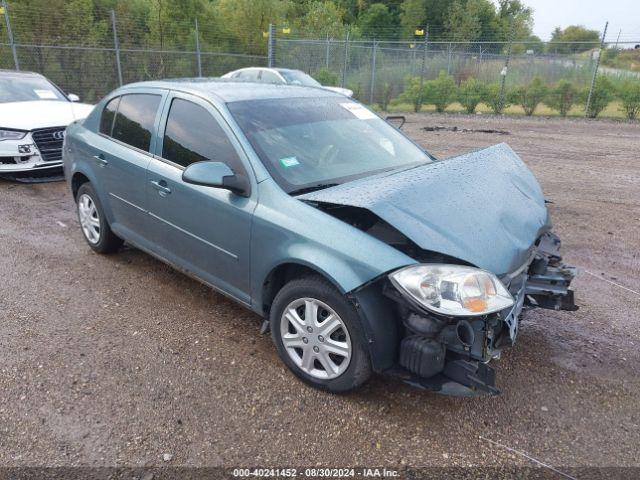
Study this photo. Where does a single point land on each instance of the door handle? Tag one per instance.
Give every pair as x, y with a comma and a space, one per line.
100, 160
161, 186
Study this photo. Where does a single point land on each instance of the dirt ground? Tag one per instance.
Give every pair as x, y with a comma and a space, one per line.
117, 360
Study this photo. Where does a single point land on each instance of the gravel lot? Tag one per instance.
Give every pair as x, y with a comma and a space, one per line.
117, 360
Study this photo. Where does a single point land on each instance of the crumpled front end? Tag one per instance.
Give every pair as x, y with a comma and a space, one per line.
451, 355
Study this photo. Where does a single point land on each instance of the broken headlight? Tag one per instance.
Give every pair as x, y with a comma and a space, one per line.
11, 134
453, 290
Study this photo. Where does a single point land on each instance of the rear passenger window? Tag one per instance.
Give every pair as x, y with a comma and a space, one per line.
250, 75
193, 135
270, 77
108, 114
135, 118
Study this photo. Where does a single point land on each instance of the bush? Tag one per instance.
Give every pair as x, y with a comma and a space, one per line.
470, 94
387, 94
629, 94
356, 88
327, 77
530, 96
492, 98
603, 94
412, 93
440, 91
562, 97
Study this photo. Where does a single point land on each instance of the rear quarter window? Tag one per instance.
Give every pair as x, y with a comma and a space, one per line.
108, 115
135, 119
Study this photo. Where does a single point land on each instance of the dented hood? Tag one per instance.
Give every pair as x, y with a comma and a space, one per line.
484, 207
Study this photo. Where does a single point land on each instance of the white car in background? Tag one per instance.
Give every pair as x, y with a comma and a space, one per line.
281, 75
34, 114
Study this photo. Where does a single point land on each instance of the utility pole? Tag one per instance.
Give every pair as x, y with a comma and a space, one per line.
326, 62
618, 39
595, 71
505, 70
424, 63
10, 34
198, 58
271, 46
374, 54
346, 59
116, 46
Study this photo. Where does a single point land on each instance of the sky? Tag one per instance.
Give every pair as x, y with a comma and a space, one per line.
622, 14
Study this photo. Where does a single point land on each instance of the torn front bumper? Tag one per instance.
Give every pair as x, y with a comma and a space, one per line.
451, 355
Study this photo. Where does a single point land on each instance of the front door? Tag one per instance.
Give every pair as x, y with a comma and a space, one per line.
203, 230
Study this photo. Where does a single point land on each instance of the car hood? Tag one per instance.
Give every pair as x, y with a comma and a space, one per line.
41, 114
485, 207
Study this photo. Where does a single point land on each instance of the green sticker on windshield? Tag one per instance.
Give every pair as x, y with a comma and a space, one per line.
289, 162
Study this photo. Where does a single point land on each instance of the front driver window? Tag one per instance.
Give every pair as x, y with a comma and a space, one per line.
193, 135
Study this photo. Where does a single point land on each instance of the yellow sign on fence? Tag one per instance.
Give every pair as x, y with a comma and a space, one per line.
420, 32
286, 30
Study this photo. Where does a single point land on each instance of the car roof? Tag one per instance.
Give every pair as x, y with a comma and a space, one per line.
232, 90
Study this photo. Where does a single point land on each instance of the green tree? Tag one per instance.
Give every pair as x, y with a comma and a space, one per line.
582, 38
378, 21
470, 94
413, 14
322, 18
530, 96
629, 94
462, 24
603, 94
471, 20
245, 20
440, 91
562, 97
513, 17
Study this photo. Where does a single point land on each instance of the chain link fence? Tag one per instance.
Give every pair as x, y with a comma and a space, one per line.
91, 53
381, 71
93, 50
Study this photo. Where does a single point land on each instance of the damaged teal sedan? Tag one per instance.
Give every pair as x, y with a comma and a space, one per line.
363, 252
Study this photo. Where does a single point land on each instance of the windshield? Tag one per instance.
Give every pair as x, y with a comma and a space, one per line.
308, 143
22, 88
295, 77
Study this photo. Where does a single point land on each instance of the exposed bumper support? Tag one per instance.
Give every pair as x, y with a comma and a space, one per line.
549, 278
460, 378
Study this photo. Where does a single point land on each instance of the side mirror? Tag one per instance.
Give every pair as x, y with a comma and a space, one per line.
396, 120
73, 97
217, 175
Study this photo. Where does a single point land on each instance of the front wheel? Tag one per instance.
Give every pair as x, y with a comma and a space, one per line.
95, 227
318, 335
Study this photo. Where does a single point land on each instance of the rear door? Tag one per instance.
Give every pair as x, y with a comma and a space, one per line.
203, 230
121, 155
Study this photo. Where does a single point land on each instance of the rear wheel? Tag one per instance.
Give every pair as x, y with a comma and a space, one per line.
318, 335
95, 227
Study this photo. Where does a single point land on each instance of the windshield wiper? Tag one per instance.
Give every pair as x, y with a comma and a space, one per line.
312, 188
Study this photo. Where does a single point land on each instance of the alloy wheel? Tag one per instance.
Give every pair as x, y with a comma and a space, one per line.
315, 338
89, 218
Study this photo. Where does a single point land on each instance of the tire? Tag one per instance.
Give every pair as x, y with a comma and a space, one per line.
93, 223
327, 370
